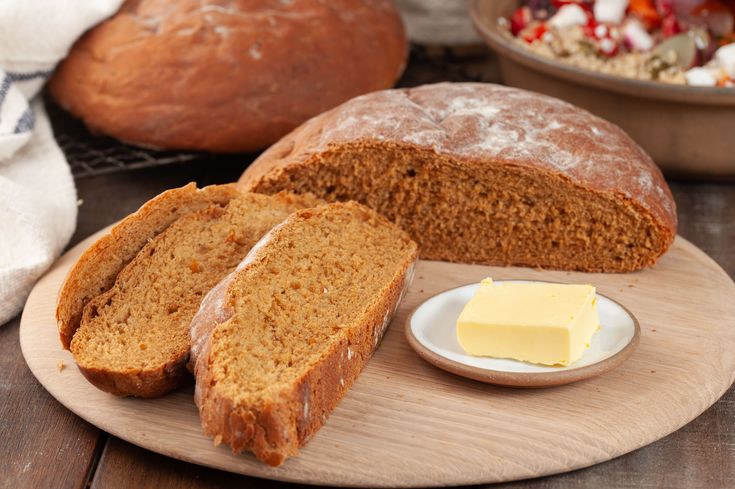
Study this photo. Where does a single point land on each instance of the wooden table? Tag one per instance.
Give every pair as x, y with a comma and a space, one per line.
44, 445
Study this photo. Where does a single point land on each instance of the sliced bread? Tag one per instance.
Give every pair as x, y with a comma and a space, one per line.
133, 338
97, 268
277, 343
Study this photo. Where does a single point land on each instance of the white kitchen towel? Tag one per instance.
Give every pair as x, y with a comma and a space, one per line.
38, 206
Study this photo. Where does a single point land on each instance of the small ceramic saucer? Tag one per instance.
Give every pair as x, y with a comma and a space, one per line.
430, 330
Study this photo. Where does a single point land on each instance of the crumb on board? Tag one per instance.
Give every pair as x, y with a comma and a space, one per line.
217, 440
61, 365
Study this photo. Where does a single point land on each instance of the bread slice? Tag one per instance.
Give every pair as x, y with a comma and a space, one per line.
481, 173
97, 268
277, 344
134, 338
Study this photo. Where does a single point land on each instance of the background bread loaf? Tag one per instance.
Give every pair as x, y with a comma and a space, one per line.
227, 76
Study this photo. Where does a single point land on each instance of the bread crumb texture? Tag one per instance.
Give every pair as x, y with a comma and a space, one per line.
484, 174
281, 340
134, 337
97, 268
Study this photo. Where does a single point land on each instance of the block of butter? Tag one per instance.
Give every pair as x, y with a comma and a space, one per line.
537, 322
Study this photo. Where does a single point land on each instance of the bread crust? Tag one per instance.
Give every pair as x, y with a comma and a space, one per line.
268, 430
479, 127
96, 270
230, 76
141, 383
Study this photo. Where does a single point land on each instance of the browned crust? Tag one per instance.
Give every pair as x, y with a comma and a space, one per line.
275, 431
97, 268
140, 383
609, 164
229, 76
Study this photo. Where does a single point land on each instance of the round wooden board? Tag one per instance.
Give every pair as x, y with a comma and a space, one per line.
407, 423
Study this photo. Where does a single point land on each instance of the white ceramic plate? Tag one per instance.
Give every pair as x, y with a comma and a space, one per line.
430, 330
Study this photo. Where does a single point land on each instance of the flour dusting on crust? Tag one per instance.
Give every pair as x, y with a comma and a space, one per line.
492, 125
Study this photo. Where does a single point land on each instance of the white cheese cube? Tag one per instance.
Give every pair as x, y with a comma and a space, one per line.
637, 36
725, 56
610, 11
569, 15
700, 77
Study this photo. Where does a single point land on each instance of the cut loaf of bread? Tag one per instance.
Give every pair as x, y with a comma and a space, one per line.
277, 344
97, 268
486, 174
133, 338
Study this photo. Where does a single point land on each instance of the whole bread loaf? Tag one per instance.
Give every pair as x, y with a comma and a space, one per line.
133, 339
486, 174
226, 75
277, 344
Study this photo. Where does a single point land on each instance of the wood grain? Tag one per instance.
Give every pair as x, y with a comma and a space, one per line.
35, 430
125, 465
426, 427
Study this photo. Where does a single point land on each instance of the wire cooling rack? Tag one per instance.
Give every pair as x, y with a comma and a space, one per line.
90, 154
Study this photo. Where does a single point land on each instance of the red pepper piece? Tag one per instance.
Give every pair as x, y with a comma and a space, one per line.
665, 7
535, 33
519, 20
590, 26
670, 26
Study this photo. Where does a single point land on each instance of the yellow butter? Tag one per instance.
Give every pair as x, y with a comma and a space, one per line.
550, 324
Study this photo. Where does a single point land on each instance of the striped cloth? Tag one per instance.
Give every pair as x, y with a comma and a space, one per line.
38, 202
16, 116
34, 36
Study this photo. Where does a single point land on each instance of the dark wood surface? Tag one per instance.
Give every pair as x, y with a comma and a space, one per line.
42, 445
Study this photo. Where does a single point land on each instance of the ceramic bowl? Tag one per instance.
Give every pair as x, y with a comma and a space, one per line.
687, 130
